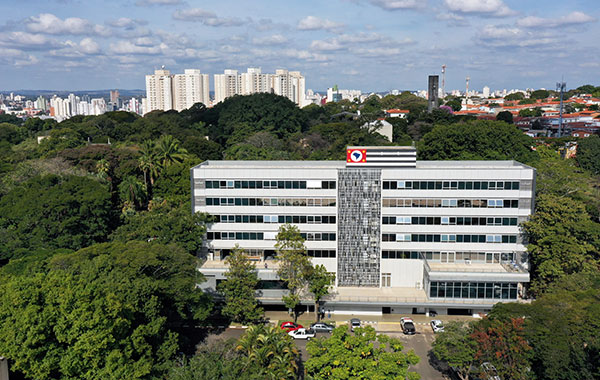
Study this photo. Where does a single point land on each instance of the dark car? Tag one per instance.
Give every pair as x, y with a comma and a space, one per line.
322, 327
408, 326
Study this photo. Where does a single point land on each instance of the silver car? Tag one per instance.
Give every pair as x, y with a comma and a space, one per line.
354, 323
437, 326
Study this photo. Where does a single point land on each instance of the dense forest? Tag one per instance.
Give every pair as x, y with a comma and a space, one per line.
98, 247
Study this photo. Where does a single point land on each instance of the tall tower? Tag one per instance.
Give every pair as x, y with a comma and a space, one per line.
432, 92
444, 80
467, 94
561, 86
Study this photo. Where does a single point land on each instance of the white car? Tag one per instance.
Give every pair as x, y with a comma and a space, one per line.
437, 326
302, 334
408, 326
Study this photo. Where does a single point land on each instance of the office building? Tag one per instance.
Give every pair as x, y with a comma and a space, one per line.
401, 235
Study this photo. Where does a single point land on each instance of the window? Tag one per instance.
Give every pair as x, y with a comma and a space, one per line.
386, 280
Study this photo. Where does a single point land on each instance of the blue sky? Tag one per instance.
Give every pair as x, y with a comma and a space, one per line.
372, 45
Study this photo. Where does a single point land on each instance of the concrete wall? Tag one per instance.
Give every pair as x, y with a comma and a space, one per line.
3, 369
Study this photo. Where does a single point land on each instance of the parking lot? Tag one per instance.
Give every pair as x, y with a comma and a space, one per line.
420, 343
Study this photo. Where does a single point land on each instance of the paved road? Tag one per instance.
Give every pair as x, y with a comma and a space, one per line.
420, 343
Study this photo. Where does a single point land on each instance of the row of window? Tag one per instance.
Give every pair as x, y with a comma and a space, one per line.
450, 238
310, 202
451, 185
232, 184
308, 236
473, 290
321, 253
450, 220
297, 219
450, 257
460, 203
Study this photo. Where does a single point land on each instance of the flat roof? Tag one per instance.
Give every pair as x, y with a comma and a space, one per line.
342, 164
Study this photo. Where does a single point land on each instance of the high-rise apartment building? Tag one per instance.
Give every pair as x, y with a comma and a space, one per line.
290, 84
165, 91
227, 84
401, 235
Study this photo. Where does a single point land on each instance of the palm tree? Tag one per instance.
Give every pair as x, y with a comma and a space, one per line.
149, 163
268, 347
169, 152
132, 191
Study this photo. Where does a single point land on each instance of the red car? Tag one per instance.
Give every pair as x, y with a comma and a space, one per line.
291, 326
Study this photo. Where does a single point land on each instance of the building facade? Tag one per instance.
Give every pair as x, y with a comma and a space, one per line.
165, 91
401, 235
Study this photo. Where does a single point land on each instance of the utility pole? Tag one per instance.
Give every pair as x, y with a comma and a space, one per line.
560, 86
467, 94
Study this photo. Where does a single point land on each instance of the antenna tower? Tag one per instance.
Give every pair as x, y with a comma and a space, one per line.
467, 94
443, 80
560, 86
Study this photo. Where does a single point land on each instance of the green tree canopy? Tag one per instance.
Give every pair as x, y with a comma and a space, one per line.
515, 96
540, 94
588, 154
319, 284
477, 140
54, 212
109, 311
505, 116
239, 289
457, 349
362, 355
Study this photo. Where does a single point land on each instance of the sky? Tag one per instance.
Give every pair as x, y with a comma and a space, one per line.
370, 45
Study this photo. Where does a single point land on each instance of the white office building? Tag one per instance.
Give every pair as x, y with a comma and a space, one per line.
400, 235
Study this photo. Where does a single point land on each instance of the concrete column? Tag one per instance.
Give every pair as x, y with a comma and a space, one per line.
3, 369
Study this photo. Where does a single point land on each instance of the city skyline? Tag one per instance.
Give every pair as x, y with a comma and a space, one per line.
372, 45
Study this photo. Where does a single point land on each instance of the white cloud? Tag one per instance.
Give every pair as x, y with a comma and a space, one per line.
71, 49
275, 39
493, 8
48, 23
315, 23
573, 18
398, 4
496, 36
330, 45
352, 41
205, 17
126, 22
16, 57
27, 41
146, 3
126, 47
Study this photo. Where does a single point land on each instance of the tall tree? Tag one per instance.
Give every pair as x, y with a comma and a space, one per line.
456, 348
132, 192
149, 163
320, 282
588, 154
294, 264
239, 289
169, 151
363, 355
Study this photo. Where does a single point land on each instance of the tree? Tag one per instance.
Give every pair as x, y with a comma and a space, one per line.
109, 311
540, 94
456, 348
132, 192
505, 116
588, 154
168, 151
531, 112
455, 104
217, 360
319, 284
477, 140
269, 352
514, 96
294, 264
54, 212
362, 355
239, 289
149, 163
562, 240
504, 345
164, 223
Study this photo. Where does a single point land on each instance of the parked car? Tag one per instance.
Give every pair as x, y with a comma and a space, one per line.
437, 326
433, 313
354, 323
322, 327
408, 326
302, 333
290, 326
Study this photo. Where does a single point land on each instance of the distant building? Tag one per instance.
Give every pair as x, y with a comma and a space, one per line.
114, 96
382, 127
165, 91
432, 92
486, 92
227, 84
334, 94
402, 114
